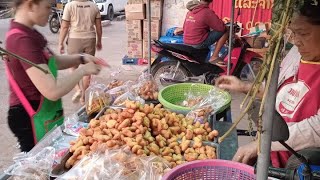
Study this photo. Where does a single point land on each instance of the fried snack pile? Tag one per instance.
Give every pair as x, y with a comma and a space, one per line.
147, 130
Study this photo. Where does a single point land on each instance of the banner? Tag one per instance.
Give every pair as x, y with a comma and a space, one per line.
252, 12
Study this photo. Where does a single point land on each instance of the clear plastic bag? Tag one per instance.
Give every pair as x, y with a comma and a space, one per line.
117, 164
72, 125
96, 98
114, 79
147, 88
193, 97
208, 106
35, 167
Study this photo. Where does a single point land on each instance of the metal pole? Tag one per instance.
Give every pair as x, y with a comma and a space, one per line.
230, 36
149, 34
267, 125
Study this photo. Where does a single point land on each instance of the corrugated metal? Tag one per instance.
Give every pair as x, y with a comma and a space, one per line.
223, 9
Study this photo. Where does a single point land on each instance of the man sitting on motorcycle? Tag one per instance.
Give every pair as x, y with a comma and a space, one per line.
202, 28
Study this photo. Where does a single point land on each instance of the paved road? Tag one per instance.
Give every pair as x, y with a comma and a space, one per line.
114, 48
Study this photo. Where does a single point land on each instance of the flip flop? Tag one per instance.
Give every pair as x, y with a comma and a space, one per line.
218, 62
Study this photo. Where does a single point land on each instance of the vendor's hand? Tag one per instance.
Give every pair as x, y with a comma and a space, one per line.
89, 58
247, 154
231, 83
90, 69
61, 48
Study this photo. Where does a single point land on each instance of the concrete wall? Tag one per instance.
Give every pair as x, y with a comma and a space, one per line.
174, 12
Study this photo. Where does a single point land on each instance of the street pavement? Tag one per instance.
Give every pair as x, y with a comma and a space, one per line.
114, 48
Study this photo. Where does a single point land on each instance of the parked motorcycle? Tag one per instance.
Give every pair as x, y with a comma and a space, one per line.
55, 20
182, 63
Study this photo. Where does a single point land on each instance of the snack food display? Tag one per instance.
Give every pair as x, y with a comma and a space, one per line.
146, 130
147, 88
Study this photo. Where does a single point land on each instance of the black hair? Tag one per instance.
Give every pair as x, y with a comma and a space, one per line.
311, 10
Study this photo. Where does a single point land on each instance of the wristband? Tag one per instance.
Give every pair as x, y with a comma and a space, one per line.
82, 61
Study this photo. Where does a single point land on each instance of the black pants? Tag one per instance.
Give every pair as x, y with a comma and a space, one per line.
20, 124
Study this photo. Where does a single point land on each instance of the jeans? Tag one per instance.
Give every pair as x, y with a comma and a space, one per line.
212, 38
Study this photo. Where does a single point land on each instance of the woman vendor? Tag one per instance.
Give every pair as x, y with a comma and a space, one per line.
298, 97
35, 105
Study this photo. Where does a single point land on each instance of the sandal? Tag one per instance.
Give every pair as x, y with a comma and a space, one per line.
76, 97
218, 62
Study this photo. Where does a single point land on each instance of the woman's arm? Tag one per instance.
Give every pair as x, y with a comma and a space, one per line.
68, 61
303, 134
53, 89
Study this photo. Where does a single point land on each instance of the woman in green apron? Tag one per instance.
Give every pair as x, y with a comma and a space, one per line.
35, 96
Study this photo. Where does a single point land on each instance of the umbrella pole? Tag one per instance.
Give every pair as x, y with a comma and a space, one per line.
149, 34
230, 37
267, 125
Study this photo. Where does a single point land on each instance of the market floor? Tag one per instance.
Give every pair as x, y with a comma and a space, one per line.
114, 48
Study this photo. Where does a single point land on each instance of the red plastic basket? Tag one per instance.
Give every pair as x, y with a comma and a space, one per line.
211, 169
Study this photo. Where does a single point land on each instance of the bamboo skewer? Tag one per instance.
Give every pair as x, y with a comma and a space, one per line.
5, 52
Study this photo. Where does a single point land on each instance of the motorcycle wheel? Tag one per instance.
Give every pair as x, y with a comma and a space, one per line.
166, 67
54, 24
249, 71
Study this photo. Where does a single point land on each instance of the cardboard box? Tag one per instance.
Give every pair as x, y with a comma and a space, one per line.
135, 49
135, 11
134, 29
155, 29
156, 9
146, 52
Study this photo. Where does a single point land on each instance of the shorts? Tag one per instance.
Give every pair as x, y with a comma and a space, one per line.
20, 124
78, 46
212, 38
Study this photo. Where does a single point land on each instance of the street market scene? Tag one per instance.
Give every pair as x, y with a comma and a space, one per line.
160, 89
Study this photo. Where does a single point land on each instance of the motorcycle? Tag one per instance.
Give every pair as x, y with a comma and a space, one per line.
177, 63
55, 20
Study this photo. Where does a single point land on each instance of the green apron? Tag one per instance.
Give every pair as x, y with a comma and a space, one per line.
49, 113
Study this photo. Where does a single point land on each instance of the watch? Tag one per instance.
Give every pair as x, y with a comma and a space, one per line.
82, 61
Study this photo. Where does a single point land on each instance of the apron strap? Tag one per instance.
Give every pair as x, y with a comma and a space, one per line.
15, 87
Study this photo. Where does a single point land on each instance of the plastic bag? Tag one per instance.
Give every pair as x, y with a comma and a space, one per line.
208, 106
37, 167
114, 79
193, 97
117, 164
72, 125
147, 88
96, 98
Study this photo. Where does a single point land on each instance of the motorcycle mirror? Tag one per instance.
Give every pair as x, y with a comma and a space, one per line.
280, 131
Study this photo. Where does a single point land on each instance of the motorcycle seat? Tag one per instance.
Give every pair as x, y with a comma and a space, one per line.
199, 55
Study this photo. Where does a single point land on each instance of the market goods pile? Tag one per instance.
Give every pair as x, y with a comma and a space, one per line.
147, 130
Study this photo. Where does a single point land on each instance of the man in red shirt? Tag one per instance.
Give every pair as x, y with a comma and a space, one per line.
202, 28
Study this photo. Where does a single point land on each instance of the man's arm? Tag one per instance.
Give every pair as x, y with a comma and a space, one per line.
214, 22
65, 25
99, 33
303, 134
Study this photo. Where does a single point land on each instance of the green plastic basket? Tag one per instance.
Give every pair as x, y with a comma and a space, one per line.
171, 95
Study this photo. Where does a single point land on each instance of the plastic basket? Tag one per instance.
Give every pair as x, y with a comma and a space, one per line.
171, 95
211, 169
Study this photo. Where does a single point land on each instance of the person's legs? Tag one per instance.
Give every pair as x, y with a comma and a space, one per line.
219, 45
20, 124
75, 47
89, 48
220, 39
